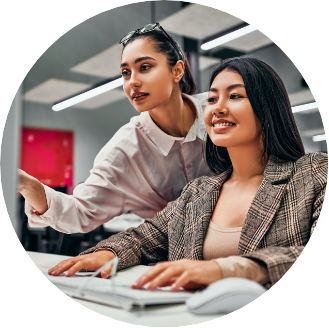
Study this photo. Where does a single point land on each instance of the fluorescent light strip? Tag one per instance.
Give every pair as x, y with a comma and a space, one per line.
89, 94
228, 37
301, 108
319, 137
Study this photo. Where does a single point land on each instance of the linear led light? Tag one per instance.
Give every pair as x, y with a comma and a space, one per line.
319, 137
301, 108
88, 94
228, 37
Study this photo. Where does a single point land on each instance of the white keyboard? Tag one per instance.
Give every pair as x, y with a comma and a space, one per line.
109, 292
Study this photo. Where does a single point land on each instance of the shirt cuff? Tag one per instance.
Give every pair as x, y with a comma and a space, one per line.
237, 266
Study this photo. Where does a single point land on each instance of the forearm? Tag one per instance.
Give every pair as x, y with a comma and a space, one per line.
148, 243
33, 192
277, 259
237, 266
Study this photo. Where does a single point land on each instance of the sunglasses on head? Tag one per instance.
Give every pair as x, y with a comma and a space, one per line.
149, 28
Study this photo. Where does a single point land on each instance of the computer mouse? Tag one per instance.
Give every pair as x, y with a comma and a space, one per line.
224, 296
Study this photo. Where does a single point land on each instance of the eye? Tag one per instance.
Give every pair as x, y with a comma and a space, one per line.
125, 73
235, 96
145, 67
210, 100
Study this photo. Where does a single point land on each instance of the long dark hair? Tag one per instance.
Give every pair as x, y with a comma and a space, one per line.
269, 100
162, 45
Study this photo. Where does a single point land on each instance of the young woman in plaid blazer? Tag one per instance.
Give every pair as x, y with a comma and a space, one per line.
264, 183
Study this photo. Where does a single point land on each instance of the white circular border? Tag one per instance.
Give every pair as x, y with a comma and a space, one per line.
28, 28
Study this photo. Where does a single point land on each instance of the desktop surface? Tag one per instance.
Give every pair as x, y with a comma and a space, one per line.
156, 316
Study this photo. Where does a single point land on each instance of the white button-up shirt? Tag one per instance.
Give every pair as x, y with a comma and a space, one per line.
139, 170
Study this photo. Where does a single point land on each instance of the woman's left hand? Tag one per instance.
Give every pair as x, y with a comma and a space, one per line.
189, 274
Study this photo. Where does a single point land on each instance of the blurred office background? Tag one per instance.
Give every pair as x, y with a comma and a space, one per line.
59, 147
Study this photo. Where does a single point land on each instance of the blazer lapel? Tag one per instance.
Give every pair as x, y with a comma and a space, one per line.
265, 204
198, 217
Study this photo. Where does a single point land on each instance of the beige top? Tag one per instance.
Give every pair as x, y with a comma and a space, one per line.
221, 245
220, 242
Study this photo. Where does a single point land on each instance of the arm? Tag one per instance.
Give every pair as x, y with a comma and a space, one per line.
93, 203
144, 244
237, 266
109, 191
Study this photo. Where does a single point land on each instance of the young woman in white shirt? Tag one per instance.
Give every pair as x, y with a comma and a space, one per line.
148, 161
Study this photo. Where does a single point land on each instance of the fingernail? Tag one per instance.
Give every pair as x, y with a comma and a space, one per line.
106, 274
68, 273
54, 272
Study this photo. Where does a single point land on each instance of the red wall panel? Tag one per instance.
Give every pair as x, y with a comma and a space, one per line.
48, 155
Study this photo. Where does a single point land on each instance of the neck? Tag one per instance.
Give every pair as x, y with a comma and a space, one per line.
175, 117
248, 162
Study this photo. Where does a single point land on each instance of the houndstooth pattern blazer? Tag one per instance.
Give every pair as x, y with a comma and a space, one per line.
278, 225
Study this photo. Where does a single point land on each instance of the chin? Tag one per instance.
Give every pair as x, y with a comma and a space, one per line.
221, 142
140, 108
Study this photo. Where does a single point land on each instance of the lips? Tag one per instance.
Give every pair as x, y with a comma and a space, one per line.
221, 122
139, 95
221, 125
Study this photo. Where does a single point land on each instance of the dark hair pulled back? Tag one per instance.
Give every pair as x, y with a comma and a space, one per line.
269, 100
162, 45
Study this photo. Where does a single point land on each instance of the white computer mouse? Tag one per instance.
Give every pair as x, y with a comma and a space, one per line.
224, 296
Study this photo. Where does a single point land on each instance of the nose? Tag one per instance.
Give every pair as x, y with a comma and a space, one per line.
134, 81
220, 109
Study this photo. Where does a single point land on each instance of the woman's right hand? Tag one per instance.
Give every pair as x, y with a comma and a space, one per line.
90, 262
33, 191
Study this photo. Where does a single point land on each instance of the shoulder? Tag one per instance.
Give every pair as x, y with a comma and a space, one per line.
316, 161
315, 165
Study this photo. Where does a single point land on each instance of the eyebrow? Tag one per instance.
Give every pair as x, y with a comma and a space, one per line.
229, 88
138, 60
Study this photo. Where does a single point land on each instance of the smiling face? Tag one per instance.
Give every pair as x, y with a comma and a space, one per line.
148, 79
229, 117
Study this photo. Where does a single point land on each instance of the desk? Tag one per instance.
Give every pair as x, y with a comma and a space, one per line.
160, 316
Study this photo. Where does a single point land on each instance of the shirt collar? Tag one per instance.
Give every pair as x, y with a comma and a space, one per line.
164, 141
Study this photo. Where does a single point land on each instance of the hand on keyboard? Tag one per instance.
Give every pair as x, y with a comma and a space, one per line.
90, 262
189, 274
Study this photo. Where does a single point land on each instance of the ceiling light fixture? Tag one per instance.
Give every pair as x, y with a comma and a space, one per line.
301, 108
228, 37
319, 137
88, 94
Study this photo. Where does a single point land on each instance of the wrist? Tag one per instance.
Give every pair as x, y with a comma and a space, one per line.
107, 253
216, 270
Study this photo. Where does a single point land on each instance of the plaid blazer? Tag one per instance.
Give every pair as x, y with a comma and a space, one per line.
278, 225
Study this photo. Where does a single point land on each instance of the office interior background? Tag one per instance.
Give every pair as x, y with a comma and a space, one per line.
58, 147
